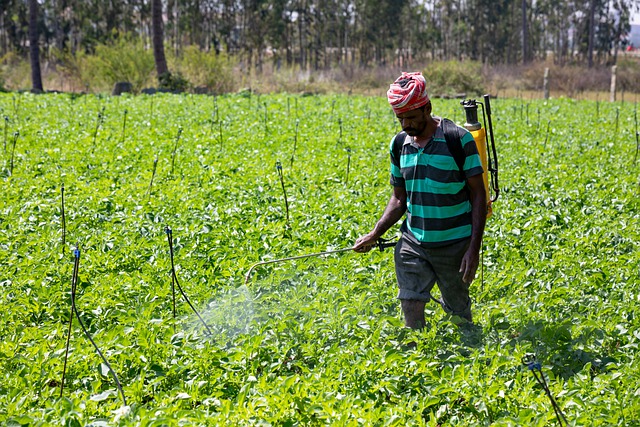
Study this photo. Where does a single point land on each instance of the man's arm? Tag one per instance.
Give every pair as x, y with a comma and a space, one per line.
396, 207
471, 258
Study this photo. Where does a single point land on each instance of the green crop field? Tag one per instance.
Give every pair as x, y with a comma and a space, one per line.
315, 341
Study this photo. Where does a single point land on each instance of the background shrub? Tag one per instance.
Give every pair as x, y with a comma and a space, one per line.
173, 82
15, 71
121, 61
628, 74
455, 77
72, 68
206, 69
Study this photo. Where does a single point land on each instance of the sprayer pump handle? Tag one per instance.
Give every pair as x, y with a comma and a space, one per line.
487, 104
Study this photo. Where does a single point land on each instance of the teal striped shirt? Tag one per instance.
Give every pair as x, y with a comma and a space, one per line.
438, 203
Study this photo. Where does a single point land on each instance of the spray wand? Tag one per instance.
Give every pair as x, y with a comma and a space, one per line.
381, 244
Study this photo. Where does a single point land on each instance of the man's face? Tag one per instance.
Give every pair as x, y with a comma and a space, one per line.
413, 122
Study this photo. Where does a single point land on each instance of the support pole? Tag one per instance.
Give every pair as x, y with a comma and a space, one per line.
612, 92
545, 83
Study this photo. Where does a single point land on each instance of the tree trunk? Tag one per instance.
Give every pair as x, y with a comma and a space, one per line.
616, 42
176, 30
34, 50
158, 38
592, 31
525, 34
301, 17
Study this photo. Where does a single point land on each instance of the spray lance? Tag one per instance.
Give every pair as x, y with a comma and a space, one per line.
381, 244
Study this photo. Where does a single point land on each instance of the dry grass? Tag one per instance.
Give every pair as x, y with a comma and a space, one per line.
500, 80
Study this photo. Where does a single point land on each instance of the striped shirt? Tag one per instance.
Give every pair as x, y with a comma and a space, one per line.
438, 203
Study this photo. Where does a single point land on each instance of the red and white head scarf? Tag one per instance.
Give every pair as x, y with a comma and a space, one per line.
408, 92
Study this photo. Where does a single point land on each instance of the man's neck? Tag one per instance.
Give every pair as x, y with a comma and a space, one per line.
428, 132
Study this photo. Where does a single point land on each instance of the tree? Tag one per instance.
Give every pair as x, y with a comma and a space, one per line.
622, 26
34, 50
323, 33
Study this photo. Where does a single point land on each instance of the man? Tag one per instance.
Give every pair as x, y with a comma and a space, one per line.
445, 206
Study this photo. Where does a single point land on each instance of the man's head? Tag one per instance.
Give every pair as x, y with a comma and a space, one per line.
408, 92
410, 102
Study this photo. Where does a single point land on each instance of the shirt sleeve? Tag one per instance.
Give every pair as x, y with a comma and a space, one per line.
472, 162
397, 180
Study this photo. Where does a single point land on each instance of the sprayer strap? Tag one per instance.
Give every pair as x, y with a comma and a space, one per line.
452, 134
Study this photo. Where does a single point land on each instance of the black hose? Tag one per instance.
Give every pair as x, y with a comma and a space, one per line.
529, 360
74, 309
175, 278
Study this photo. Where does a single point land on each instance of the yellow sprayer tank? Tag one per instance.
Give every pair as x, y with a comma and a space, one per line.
480, 136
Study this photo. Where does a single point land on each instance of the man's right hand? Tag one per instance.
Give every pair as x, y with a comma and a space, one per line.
365, 243
396, 207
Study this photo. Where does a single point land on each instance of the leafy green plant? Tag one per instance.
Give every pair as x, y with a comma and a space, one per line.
314, 341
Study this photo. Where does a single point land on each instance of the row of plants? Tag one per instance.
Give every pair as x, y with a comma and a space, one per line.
317, 341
